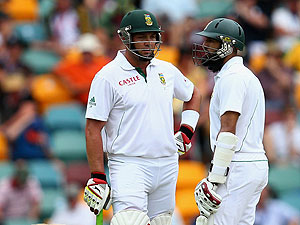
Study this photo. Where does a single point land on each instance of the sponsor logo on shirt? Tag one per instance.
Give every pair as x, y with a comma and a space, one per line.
129, 81
162, 78
92, 102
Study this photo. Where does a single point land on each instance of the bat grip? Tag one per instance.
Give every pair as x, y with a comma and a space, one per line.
99, 218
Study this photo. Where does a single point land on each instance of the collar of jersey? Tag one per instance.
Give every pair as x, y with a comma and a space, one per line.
123, 62
229, 63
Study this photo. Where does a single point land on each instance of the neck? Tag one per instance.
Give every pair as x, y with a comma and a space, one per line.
136, 61
227, 58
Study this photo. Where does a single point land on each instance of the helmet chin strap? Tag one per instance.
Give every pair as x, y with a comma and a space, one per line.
142, 57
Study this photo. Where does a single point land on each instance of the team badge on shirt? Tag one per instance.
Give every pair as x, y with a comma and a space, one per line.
92, 102
162, 78
148, 19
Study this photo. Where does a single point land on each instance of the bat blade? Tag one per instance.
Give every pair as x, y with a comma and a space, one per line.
99, 218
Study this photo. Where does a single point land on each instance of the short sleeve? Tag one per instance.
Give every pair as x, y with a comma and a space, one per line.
232, 92
183, 87
100, 100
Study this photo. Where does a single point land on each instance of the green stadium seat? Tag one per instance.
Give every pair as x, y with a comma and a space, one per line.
29, 32
46, 172
284, 178
20, 221
68, 145
292, 198
65, 117
214, 8
39, 61
6, 169
45, 8
52, 198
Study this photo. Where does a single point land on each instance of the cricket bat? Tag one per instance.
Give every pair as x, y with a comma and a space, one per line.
211, 219
99, 218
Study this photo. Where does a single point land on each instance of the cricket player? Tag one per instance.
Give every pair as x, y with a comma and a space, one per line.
239, 169
130, 102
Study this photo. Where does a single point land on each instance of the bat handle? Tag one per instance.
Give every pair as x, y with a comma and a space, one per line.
215, 187
99, 218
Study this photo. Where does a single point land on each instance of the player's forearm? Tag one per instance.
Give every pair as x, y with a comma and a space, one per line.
94, 148
195, 101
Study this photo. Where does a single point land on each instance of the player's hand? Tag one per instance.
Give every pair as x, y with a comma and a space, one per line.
207, 200
183, 143
97, 195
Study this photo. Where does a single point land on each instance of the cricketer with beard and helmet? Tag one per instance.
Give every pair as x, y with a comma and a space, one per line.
239, 168
130, 102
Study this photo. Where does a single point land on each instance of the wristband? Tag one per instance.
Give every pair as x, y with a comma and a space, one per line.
98, 175
190, 117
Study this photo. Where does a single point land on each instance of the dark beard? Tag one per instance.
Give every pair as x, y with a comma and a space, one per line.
146, 60
142, 58
214, 66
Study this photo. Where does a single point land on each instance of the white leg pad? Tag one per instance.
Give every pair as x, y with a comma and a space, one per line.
130, 217
162, 219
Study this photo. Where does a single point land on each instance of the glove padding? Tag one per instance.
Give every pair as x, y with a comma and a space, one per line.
97, 195
207, 200
183, 143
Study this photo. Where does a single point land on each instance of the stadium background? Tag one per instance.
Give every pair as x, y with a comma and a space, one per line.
51, 49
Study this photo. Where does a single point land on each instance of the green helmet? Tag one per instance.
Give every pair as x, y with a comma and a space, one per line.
226, 28
228, 32
138, 21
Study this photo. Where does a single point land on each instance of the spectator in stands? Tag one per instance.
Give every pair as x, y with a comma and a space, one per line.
278, 83
282, 139
5, 28
77, 74
64, 23
274, 211
286, 23
20, 195
27, 133
74, 212
255, 22
11, 56
175, 10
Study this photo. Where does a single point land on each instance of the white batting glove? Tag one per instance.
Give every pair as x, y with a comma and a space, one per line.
207, 200
183, 139
97, 195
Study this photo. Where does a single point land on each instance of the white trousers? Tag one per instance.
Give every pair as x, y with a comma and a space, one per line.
241, 193
145, 184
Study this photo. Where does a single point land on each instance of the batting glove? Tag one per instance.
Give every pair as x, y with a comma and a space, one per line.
183, 139
97, 193
207, 200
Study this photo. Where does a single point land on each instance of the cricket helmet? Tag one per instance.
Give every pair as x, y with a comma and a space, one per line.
228, 32
138, 21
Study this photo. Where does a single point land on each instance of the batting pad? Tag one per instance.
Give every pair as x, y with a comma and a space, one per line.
130, 217
162, 219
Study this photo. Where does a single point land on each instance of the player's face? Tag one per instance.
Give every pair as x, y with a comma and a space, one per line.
205, 54
211, 43
145, 43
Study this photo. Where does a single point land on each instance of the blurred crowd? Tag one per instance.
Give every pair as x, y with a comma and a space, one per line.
51, 49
